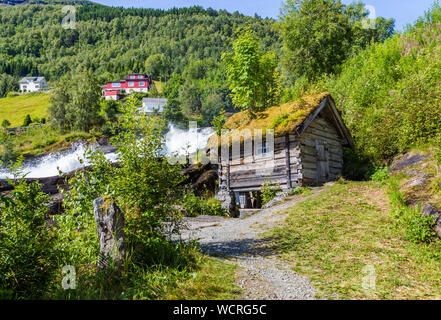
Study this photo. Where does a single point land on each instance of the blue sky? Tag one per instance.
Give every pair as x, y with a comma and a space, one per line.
403, 11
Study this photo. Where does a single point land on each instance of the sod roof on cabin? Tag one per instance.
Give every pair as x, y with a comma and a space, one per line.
283, 119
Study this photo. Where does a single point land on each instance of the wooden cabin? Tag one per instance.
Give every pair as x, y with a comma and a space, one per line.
308, 141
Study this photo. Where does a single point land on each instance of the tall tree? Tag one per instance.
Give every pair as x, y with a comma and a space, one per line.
251, 72
319, 35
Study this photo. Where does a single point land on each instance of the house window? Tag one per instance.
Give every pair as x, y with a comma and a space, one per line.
142, 84
132, 77
131, 84
263, 149
140, 77
116, 85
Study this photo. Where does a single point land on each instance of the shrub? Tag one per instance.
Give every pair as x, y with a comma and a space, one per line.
27, 121
27, 255
419, 228
380, 174
269, 192
196, 206
297, 190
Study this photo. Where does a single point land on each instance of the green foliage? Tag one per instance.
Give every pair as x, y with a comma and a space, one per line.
197, 206
116, 41
393, 100
76, 102
27, 255
218, 122
320, 35
297, 191
418, 227
27, 121
7, 84
5, 124
380, 174
254, 81
269, 192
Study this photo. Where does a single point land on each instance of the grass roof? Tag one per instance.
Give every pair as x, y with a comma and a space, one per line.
283, 119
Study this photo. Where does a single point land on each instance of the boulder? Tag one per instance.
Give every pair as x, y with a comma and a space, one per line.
206, 184
109, 221
228, 202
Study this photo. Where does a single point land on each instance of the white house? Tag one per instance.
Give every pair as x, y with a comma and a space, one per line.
152, 105
33, 84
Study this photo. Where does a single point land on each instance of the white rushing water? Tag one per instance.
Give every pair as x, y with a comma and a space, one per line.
176, 141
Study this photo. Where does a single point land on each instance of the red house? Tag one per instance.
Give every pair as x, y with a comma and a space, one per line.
133, 83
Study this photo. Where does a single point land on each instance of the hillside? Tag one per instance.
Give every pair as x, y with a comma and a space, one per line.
115, 41
15, 109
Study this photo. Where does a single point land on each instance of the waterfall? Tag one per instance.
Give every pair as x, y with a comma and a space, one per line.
176, 141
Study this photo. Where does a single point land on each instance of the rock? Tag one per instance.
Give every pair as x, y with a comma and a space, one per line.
109, 221
228, 202
409, 159
206, 184
428, 209
417, 181
280, 196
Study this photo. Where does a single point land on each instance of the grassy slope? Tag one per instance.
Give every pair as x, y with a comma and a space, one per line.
331, 239
15, 109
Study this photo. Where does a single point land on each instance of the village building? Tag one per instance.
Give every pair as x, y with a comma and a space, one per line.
133, 83
303, 147
153, 105
33, 84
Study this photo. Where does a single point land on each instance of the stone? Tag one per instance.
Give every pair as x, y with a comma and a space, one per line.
228, 201
428, 209
109, 221
280, 197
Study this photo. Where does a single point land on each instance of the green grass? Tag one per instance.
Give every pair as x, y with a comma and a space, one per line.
334, 237
42, 140
213, 281
15, 109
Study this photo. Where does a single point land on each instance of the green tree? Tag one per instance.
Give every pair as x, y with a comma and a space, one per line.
27, 121
5, 124
251, 72
318, 35
75, 102
155, 65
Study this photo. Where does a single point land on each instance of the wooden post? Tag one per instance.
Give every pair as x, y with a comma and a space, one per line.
228, 176
288, 162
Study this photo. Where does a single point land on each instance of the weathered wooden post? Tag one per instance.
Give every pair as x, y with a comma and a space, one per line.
109, 221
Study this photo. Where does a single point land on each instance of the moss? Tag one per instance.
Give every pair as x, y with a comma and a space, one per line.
282, 119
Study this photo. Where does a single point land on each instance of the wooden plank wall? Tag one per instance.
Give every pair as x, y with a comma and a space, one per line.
250, 171
320, 129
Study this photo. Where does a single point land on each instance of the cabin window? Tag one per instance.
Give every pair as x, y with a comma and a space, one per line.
131, 84
142, 84
262, 149
132, 77
116, 85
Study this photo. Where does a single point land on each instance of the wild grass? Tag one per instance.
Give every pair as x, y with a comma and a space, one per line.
42, 140
15, 108
339, 237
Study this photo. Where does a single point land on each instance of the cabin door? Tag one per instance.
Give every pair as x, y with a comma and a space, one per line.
322, 161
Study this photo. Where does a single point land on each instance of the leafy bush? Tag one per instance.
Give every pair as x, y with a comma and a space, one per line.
419, 228
297, 190
393, 100
269, 192
27, 121
196, 206
380, 174
27, 255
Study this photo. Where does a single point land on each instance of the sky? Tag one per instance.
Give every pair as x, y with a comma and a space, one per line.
403, 11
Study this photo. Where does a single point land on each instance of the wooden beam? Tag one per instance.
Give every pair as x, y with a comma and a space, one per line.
288, 162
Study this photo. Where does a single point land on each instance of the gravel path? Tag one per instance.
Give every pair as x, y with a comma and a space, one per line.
262, 275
